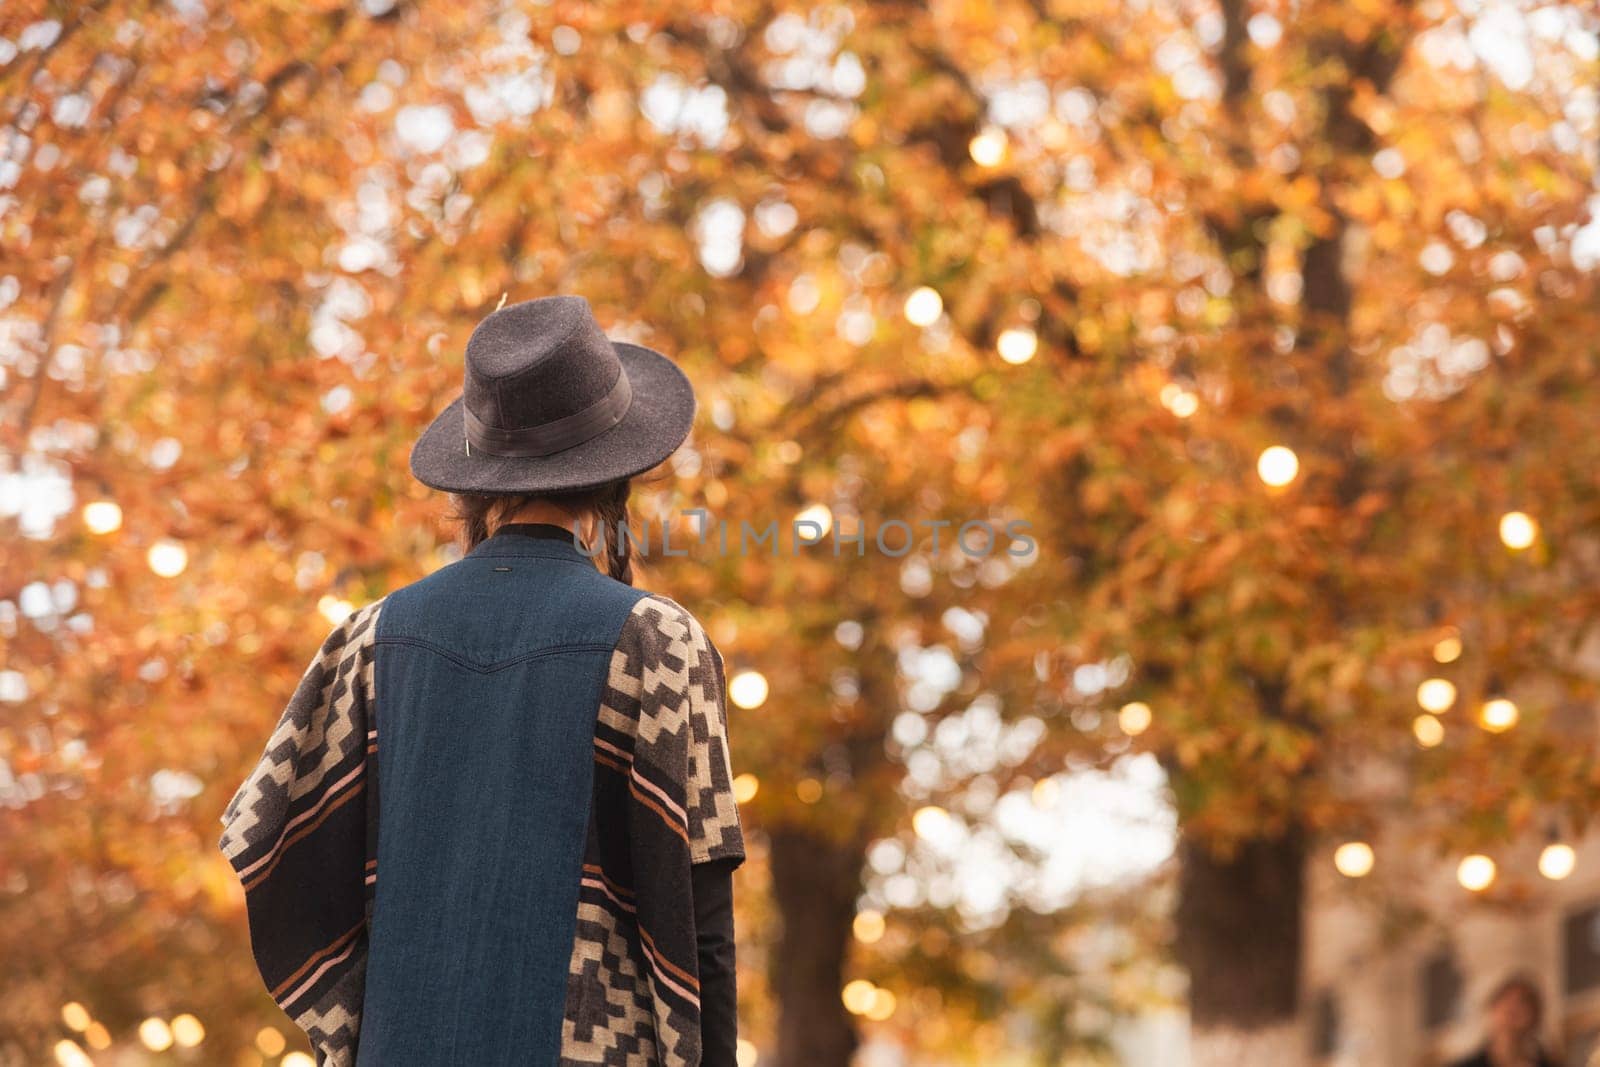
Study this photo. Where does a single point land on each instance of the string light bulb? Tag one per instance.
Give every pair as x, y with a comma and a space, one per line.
167, 558
1518, 530
1476, 872
155, 1034
1017, 345
1135, 718
1354, 859
1498, 715
1428, 730
1557, 861
1437, 695
988, 147
1277, 466
924, 306
748, 689
102, 516
868, 926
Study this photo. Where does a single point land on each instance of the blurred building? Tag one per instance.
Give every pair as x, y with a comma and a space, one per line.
1400, 964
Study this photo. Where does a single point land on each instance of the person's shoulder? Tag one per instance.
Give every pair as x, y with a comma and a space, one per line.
662, 643
660, 623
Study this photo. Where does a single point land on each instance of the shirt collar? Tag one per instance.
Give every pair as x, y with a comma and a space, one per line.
531, 539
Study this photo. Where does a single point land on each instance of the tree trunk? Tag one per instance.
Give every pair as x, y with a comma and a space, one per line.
815, 882
1239, 934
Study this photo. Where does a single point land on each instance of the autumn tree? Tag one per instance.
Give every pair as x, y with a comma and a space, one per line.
1075, 263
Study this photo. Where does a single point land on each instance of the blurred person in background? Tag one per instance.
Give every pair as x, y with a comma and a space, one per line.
1515, 1013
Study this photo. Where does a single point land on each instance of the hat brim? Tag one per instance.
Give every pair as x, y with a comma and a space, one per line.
656, 423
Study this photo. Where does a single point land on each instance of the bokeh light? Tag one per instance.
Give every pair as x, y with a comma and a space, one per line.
1498, 715
155, 1034
69, 1054
1428, 730
745, 787
1354, 859
1134, 718
857, 996
868, 926
924, 306
1518, 530
1017, 345
1557, 861
1277, 466
334, 609
75, 1016
748, 689
167, 559
187, 1030
102, 516
1437, 695
1476, 872
988, 147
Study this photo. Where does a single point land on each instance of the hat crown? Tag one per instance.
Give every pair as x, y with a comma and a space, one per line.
536, 362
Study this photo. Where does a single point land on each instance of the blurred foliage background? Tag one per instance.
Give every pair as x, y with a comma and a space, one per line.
1278, 323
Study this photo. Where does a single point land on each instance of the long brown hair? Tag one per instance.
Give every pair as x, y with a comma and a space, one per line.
479, 515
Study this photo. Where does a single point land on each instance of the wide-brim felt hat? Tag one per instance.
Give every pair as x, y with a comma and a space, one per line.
550, 405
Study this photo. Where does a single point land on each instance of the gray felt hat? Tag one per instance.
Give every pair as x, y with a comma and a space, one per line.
552, 405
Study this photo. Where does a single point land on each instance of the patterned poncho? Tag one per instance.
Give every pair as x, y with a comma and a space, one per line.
303, 830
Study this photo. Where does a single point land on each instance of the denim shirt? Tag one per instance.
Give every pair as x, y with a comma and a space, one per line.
550, 751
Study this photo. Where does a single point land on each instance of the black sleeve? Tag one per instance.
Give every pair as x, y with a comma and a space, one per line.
719, 1000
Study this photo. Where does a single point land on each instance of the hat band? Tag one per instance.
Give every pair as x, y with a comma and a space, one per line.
550, 437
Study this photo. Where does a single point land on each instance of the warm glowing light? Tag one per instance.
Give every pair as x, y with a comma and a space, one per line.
76, 1016
929, 821
98, 1036
745, 1054
1178, 400
924, 306
745, 787
748, 689
1557, 861
1428, 730
1046, 791
1017, 345
1134, 718
1353, 859
868, 926
1518, 530
102, 516
1437, 695
334, 609
1278, 466
269, 1041
857, 996
1447, 649
187, 1031
819, 520
809, 790
988, 147
167, 558
1498, 715
1476, 873
297, 1059
882, 1005
68, 1054
155, 1034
